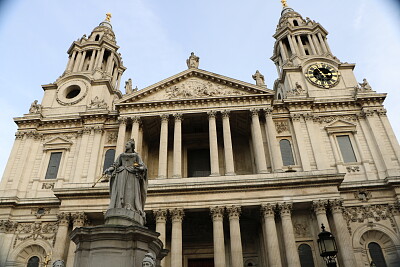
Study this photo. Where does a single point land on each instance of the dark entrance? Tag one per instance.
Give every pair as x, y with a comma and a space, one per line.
199, 163
201, 263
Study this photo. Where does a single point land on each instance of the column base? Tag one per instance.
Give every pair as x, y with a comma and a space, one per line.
162, 177
230, 173
177, 176
215, 174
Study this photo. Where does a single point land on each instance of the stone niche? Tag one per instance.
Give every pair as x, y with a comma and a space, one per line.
116, 245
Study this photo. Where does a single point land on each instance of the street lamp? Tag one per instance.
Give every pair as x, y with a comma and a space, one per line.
327, 247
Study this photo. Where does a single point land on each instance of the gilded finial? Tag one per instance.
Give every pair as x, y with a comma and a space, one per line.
284, 4
108, 17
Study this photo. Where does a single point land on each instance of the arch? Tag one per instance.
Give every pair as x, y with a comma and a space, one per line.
286, 152
29, 248
29, 254
33, 262
108, 158
376, 254
295, 23
97, 37
306, 255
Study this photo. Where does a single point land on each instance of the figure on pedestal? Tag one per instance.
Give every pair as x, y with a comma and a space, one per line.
128, 182
193, 61
35, 108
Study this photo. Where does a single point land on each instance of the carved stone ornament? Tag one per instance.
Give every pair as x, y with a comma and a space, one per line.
234, 212
64, 218
63, 91
301, 229
297, 91
177, 214
329, 119
128, 86
39, 212
217, 212
320, 206
193, 88
79, 219
353, 169
285, 208
362, 195
7, 226
47, 185
97, 103
281, 126
268, 209
112, 137
35, 108
370, 213
295, 116
160, 215
364, 86
36, 230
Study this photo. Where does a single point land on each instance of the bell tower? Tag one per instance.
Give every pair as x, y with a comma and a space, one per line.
305, 62
92, 76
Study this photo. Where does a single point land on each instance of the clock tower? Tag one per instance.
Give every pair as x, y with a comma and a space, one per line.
305, 63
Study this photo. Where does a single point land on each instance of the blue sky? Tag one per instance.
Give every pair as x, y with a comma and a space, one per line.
231, 37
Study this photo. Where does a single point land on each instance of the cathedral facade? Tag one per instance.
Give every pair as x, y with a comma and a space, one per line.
239, 174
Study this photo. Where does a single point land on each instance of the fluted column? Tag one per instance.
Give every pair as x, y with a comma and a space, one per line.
305, 161
121, 136
217, 214
228, 150
99, 60
77, 62
71, 61
92, 59
177, 159
342, 234
135, 129
317, 44
82, 61
176, 237
319, 207
321, 40
292, 255
258, 142
275, 152
301, 47
310, 40
161, 222
271, 236
163, 152
79, 219
61, 236
236, 239
212, 128
283, 51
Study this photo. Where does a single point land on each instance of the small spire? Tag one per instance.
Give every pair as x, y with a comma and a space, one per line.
284, 4
108, 17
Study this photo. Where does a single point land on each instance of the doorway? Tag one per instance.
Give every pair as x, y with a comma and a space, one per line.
201, 263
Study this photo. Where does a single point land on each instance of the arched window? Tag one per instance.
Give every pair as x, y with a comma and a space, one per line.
295, 23
33, 262
97, 37
109, 159
286, 151
375, 251
306, 257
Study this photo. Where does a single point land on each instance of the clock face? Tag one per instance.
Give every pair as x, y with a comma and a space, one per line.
322, 75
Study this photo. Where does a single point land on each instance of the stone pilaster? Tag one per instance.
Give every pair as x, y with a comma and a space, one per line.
217, 214
79, 219
275, 152
343, 239
271, 236
258, 142
305, 161
98, 132
61, 236
213, 143
163, 151
228, 151
176, 239
177, 159
121, 136
292, 255
236, 239
161, 222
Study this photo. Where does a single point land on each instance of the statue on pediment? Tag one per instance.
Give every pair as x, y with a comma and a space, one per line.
259, 78
35, 108
193, 61
365, 85
128, 86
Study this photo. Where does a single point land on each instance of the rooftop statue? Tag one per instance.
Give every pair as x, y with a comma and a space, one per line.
259, 78
193, 61
35, 108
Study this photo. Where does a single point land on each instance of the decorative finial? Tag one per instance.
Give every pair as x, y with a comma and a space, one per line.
108, 17
284, 4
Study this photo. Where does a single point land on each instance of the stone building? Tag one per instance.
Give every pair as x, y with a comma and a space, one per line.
239, 174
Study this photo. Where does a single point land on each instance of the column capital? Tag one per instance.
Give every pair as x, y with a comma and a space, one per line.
64, 218
136, 119
217, 213
319, 206
268, 209
295, 116
254, 112
336, 205
164, 117
79, 219
160, 215
285, 208
211, 114
122, 120
268, 111
177, 215
234, 212
178, 117
225, 113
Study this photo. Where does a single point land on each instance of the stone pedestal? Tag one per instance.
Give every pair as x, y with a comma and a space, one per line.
118, 216
115, 245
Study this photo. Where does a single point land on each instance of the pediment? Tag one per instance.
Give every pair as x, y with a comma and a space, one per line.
57, 143
340, 126
194, 84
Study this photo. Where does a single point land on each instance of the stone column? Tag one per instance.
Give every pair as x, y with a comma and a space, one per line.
236, 240
275, 152
176, 237
319, 207
283, 51
92, 59
229, 162
258, 142
343, 239
310, 40
100, 58
317, 44
301, 46
71, 61
271, 236
292, 45
163, 151
61, 237
121, 136
305, 161
217, 214
77, 62
79, 219
177, 159
292, 255
161, 222
212, 128
82, 61
321, 40
135, 129
316, 143
98, 131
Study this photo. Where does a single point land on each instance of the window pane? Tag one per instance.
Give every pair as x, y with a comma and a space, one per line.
109, 159
33, 262
286, 151
376, 254
346, 148
306, 257
54, 163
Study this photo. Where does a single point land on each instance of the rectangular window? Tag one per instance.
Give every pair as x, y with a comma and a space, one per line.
346, 148
54, 164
